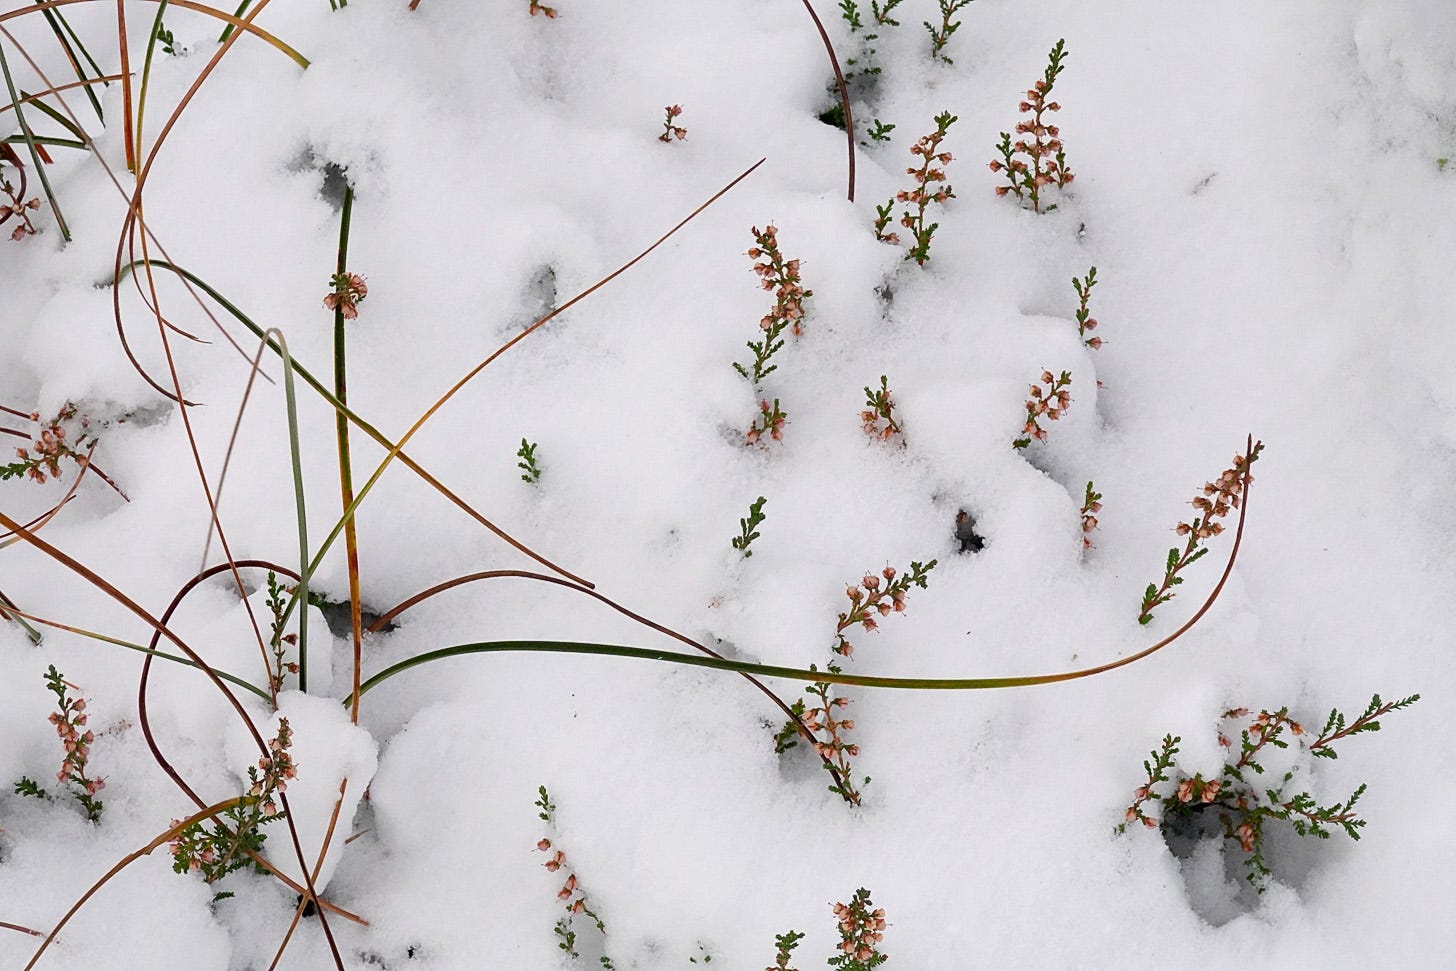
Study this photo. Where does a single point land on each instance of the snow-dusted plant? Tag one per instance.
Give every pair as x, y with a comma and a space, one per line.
930, 186
54, 443
540, 8
1050, 398
1243, 806
880, 407
940, 34
1214, 504
1036, 160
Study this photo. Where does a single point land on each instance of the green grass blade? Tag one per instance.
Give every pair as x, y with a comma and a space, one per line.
30, 143
300, 506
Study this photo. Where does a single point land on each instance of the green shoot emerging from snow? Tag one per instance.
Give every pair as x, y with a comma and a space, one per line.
1217, 499
785, 944
527, 464
940, 36
1242, 807
1086, 323
748, 528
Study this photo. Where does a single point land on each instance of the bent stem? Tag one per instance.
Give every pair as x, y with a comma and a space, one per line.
828, 677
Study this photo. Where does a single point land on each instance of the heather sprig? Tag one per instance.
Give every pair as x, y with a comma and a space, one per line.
17, 205
669, 130
530, 472
279, 641
1217, 500
869, 598
880, 407
571, 894
769, 422
1086, 323
348, 291
1091, 506
539, 8
940, 36
785, 943
1048, 162
54, 443
930, 186
225, 846
879, 131
748, 528
1243, 808
1051, 400
76, 739
860, 931
782, 278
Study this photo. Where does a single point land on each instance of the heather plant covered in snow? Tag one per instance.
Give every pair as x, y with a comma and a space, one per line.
284, 286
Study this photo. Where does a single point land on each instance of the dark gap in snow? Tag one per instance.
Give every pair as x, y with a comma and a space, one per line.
966, 536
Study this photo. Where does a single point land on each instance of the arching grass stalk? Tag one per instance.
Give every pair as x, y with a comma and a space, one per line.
343, 309
30, 144
12, 612
828, 677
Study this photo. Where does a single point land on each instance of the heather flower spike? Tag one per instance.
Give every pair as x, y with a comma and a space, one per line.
573, 898
1217, 500
782, 278
1037, 159
930, 186
1049, 399
349, 290
861, 928
880, 407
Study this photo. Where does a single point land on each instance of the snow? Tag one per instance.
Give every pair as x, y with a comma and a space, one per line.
1258, 187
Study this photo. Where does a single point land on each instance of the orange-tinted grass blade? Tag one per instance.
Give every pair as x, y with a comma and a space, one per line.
843, 91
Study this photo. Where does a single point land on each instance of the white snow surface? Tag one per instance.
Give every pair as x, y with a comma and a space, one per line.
1259, 189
